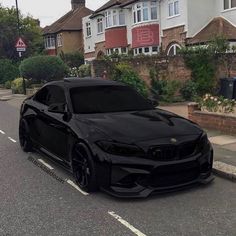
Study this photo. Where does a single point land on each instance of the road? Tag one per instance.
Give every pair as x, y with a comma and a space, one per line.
33, 202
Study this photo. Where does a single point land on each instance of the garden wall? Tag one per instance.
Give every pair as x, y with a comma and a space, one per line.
222, 122
172, 68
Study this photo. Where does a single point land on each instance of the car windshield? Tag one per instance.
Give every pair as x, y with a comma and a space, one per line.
104, 99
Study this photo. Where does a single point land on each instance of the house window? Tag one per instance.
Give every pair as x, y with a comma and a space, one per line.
49, 42
145, 11
146, 50
173, 7
173, 50
229, 4
114, 18
88, 29
100, 25
59, 40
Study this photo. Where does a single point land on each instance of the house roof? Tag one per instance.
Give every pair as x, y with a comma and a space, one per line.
112, 3
218, 26
71, 21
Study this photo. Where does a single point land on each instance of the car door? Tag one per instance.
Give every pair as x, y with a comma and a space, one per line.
55, 129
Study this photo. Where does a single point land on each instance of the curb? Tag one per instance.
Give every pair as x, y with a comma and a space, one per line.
224, 170
5, 98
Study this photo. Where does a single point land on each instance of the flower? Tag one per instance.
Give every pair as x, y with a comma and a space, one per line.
215, 99
212, 98
219, 103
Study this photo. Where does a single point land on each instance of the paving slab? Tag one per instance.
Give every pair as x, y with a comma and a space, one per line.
223, 140
231, 147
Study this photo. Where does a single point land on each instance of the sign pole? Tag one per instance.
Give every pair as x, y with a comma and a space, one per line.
18, 26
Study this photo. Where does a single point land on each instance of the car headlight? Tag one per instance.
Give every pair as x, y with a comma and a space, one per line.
120, 149
204, 143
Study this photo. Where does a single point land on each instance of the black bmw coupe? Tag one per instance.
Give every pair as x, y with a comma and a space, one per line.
113, 139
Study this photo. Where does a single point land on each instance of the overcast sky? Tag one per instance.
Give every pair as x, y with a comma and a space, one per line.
47, 11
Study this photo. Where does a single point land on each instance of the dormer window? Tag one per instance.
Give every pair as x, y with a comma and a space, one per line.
229, 4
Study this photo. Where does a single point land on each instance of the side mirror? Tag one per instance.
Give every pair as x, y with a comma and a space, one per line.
59, 108
153, 102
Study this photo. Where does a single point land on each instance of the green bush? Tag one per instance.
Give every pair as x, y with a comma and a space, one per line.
189, 90
17, 86
124, 73
43, 68
7, 84
84, 71
8, 71
73, 60
202, 63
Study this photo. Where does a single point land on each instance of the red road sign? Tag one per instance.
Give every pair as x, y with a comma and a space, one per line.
20, 43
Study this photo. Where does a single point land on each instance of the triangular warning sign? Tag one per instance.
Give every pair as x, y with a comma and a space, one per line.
20, 43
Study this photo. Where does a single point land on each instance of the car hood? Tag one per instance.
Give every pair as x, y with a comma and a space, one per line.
133, 127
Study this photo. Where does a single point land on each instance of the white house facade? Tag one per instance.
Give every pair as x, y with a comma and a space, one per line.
147, 26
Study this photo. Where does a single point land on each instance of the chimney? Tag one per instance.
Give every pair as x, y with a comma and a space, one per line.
77, 4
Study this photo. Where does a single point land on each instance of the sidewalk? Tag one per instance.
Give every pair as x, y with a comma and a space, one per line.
223, 144
13, 99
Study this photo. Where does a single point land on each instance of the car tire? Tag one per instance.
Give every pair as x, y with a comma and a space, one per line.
84, 170
24, 136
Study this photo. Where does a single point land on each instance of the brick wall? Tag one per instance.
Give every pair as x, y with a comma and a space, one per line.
222, 122
172, 68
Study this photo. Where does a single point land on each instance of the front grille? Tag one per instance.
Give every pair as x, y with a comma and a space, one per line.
171, 175
172, 152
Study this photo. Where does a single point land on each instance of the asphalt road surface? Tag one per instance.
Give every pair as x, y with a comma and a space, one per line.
38, 198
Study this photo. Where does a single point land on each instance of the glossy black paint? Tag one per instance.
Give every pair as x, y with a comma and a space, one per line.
56, 133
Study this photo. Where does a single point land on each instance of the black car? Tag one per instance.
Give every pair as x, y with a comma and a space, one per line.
112, 138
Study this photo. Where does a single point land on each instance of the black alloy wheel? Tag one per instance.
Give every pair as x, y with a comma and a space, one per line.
24, 137
83, 169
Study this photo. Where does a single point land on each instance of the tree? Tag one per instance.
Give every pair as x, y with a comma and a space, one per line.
29, 30
73, 60
8, 71
43, 68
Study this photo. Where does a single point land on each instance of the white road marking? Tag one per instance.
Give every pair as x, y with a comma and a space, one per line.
2, 132
126, 224
76, 187
46, 164
13, 140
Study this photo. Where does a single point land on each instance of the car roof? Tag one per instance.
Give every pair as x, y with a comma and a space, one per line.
84, 82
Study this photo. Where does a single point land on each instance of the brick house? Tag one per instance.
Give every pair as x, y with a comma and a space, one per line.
66, 34
147, 26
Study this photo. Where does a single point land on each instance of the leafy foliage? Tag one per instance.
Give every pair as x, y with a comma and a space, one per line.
189, 90
82, 71
17, 86
43, 68
29, 30
8, 70
73, 60
124, 73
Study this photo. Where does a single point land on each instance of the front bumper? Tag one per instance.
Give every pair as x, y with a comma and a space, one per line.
137, 178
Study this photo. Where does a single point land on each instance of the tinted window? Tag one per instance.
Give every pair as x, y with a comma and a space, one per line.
50, 95
102, 99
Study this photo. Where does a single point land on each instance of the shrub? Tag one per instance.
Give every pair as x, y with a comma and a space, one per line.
82, 71
7, 84
189, 90
217, 104
158, 86
8, 71
17, 86
124, 73
201, 61
73, 60
43, 68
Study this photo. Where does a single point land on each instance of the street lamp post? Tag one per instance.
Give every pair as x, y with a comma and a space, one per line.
19, 34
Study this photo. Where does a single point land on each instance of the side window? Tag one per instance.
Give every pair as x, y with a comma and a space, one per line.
56, 95
50, 95
42, 96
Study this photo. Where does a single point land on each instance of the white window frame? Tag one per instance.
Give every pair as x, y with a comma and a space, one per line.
175, 46
49, 42
172, 10
230, 5
114, 18
141, 7
117, 50
141, 50
88, 29
100, 28
59, 40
